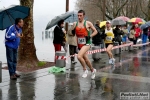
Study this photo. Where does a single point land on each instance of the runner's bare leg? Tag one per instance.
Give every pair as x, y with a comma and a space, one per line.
82, 57
88, 63
108, 50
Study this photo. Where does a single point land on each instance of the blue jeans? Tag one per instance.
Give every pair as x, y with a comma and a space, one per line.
144, 38
11, 55
124, 39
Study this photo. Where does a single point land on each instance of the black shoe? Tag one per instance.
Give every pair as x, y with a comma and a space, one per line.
17, 75
13, 77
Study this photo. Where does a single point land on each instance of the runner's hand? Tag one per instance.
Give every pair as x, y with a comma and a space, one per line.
113, 39
87, 38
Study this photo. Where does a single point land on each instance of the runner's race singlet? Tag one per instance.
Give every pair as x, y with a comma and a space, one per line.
81, 33
110, 36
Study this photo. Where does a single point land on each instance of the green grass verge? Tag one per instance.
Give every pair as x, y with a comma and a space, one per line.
41, 63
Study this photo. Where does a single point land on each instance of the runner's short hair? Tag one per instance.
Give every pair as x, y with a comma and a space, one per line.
81, 11
17, 20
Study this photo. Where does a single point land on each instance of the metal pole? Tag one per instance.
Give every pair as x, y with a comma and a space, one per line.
0, 71
67, 9
67, 5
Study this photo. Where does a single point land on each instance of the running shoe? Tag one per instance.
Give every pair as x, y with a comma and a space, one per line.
93, 74
113, 61
85, 73
110, 61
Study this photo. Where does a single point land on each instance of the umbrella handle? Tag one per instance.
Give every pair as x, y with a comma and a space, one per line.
21, 35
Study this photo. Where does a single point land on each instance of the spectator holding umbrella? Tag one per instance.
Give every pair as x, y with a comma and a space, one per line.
118, 32
145, 35
12, 41
137, 33
132, 34
145, 32
58, 36
12, 20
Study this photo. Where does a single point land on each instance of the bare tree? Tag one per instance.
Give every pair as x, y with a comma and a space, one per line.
115, 8
148, 18
145, 9
92, 13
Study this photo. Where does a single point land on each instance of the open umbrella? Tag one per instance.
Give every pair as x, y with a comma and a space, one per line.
144, 26
148, 23
72, 18
103, 23
8, 15
137, 20
123, 18
143, 21
56, 19
118, 22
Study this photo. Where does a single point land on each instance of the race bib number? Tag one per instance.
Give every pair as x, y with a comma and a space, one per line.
109, 38
81, 41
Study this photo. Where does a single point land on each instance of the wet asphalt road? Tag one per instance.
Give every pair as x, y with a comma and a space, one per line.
131, 73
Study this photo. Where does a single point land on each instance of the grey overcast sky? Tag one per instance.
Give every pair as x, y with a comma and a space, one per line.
44, 10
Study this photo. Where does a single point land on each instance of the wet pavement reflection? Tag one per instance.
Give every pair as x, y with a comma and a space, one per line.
130, 74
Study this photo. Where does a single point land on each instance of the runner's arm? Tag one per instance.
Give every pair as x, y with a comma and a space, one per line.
93, 28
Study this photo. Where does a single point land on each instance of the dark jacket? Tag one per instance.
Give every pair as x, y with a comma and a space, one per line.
145, 31
117, 32
97, 39
58, 35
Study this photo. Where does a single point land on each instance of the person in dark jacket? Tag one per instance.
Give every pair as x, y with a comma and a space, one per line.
97, 39
58, 36
118, 32
144, 36
12, 41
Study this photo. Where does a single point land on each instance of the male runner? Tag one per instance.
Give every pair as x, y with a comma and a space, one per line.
81, 29
109, 37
